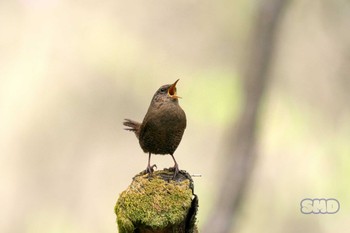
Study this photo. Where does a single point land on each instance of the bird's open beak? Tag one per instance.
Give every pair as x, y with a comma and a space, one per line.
172, 90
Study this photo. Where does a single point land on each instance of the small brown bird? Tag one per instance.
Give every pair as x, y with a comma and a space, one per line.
163, 126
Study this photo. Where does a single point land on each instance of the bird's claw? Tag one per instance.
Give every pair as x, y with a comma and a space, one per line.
176, 171
150, 169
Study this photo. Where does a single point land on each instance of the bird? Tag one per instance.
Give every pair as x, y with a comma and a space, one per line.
163, 126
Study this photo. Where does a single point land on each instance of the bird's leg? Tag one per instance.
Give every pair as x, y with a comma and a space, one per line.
176, 167
149, 168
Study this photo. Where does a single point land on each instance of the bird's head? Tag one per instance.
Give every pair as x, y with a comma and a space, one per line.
166, 93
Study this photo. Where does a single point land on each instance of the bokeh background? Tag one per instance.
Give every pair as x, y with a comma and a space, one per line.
71, 71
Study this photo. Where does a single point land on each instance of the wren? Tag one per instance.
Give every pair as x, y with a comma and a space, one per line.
163, 126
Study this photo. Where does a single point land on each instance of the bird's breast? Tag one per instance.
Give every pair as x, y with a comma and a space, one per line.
162, 129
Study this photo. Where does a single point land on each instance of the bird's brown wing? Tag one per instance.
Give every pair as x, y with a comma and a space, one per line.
133, 126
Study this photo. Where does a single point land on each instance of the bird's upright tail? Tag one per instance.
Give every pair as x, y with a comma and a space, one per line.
133, 126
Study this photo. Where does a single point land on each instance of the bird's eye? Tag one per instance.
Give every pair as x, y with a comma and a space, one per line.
163, 90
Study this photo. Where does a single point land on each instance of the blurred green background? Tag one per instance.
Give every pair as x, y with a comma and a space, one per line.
71, 71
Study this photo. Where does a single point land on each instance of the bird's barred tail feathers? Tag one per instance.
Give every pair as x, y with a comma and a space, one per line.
133, 126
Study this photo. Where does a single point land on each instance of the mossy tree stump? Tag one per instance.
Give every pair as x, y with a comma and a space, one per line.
158, 204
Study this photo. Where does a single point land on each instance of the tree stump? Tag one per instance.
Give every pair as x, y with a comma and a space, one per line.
158, 204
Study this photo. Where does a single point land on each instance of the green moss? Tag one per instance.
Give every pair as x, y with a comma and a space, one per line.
153, 202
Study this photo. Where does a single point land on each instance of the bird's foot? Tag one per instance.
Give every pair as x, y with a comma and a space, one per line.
176, 171
149, 170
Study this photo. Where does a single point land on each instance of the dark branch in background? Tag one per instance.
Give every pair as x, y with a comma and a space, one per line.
241, 153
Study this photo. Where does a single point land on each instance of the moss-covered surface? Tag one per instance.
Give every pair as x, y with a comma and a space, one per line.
155, 203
